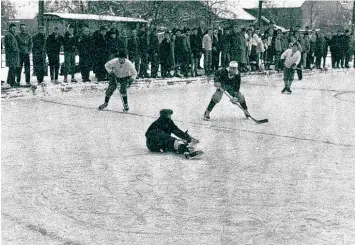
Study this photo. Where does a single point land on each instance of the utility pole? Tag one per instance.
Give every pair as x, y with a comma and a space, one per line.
40, 20
259, 13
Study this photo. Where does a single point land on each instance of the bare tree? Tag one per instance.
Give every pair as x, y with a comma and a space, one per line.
8, 12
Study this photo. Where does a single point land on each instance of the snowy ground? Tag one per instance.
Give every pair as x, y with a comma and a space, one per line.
75, 175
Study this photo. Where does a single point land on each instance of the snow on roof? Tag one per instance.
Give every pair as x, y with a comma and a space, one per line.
94, 17
268, 21
232, 11
251, 4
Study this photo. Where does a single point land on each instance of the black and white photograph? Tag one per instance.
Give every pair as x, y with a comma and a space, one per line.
191, 122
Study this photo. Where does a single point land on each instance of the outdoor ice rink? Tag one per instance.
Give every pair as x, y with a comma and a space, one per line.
74, 175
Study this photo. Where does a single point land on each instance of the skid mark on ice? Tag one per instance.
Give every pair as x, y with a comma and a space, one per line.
338, 96
38, 229
214, 127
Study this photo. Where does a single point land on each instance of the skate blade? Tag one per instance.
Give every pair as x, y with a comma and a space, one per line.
195, 157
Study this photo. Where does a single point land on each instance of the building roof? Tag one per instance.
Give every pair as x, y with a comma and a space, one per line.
231, 11
252, 4
72, 16
268, 21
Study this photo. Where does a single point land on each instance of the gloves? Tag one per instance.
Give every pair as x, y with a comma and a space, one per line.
190, 139
293, 66
235, 100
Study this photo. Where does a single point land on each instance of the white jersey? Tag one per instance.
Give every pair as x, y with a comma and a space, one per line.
126, 69
291, 57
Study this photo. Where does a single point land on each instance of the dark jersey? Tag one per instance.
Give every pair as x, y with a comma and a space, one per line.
222, 76
167, 126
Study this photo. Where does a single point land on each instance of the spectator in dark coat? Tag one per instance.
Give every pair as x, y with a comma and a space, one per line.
238, 48
179, 50
100, 53
85, 50
53, 45
196, 50
166, 56
347, 40
143, 52
112, 44
69, 44
12, 55
39, 55
337, 46
225, 45
154, 52
321, 45
352, 48
123, 41
133, 50
24, 41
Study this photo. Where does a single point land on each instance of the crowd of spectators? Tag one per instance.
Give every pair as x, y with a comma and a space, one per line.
177, 52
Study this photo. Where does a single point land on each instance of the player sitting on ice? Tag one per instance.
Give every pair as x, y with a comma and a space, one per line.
121, 71
159, 137
227, 79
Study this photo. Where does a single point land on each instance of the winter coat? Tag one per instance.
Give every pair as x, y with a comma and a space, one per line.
238, 48
24, 42
101, 51
123, 44
179, 49
225, 43
166, 56
85, 50
153, 44
112, 46
69, 43
39, 54
143, 43
215, 44
196, 44
321, 47
133, 48
11, 51
278, 45
53, 45
346, 42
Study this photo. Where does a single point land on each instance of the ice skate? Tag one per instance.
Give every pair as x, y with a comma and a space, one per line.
288, 91
125, 108
206, 116
246, 113
193, 154
103, 106
284, 90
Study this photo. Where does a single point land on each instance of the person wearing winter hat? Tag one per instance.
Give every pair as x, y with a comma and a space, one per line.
159, 139
122, 71
227, 79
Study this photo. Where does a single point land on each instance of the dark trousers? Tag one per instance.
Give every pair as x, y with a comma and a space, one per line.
11, 76
144, 65
69, 64
40, 75
158, 141
347, 58
24, 61
333, 57
215, 60
124, 83
318, 61
54, 71
155, 64
85, 72
299, 71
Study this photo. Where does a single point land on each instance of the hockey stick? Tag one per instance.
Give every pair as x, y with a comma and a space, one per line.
257, 121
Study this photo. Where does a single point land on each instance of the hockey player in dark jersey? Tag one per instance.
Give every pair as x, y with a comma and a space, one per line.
159, 139
227, 79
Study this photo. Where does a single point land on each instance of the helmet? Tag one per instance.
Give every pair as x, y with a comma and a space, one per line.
233, 64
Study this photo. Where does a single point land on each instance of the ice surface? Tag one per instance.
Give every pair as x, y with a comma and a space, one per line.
74, 175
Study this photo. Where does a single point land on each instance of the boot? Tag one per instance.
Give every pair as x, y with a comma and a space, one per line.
103, 106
